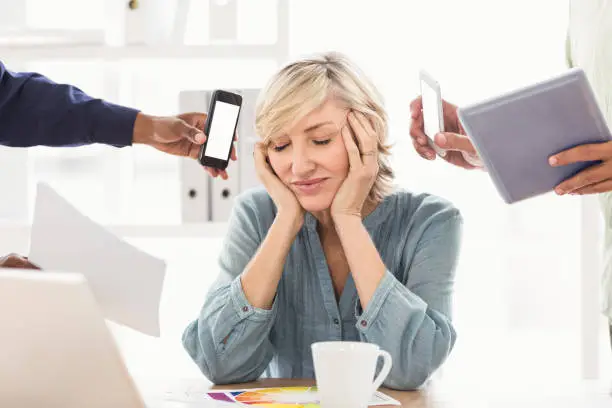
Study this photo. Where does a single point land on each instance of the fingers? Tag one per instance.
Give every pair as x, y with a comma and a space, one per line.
416, 107
583, 153
191, 133
198, 136
233, 155
354, 155
455, 142
417, 134
16, 261
261, 165
474, 160
366, 137
601, 187
212, 171
193, 150
31, 265
453, 157
197, 119
592, 175
425, 152
457, 159
216, 173
461, 128
451, 122
223, 173
416, 131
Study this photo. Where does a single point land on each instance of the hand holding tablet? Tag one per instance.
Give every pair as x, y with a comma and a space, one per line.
516, 135
593, 180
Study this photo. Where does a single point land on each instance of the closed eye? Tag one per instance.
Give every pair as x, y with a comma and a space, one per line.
280, 147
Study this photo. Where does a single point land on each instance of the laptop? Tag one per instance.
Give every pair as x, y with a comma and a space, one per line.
55, 347
56, 350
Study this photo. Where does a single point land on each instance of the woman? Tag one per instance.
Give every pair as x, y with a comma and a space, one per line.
327, 251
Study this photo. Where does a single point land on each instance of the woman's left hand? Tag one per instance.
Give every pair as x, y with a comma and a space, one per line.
363, 166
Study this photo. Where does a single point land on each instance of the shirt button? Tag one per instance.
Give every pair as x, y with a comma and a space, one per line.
336, 321
364, 323
245, 309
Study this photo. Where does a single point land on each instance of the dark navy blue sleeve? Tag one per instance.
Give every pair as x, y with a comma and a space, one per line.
35, 111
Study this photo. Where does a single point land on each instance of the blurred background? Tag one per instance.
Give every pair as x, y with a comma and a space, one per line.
519, 308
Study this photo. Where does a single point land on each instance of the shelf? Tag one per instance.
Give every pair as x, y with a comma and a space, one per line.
30, 52
11, 39
13, 231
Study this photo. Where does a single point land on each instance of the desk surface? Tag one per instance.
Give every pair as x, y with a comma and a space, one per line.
578, 395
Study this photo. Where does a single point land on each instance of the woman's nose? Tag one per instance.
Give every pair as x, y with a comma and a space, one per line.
303, 164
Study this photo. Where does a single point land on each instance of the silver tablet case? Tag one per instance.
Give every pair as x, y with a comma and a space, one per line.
516, 133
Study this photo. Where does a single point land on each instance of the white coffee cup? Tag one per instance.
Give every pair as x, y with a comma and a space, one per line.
345, 372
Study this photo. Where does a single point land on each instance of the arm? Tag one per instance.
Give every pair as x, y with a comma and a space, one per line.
411, 321
367, 268
230, 340
36, 111
261, 276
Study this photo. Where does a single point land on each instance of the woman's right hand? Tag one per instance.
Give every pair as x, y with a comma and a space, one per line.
286, 202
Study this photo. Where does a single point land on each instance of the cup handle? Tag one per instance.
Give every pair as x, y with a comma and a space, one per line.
384, 372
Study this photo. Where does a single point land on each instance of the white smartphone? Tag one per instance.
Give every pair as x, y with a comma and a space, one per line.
433, 118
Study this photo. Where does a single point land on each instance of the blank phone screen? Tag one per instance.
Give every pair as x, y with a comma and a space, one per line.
431, 117
221, 132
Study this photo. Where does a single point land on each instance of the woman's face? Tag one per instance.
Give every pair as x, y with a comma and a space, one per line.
311, 158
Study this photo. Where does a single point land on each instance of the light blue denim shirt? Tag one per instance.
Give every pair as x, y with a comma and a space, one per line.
418, 239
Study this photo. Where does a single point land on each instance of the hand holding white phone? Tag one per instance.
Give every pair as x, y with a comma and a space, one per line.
433, 118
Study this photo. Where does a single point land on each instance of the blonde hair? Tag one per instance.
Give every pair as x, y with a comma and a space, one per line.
302, 86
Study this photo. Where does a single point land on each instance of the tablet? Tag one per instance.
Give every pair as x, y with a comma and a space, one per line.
517, 132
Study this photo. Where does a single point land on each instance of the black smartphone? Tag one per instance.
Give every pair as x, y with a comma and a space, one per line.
220, 128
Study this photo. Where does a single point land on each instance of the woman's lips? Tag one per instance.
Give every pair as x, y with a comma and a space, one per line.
311, 186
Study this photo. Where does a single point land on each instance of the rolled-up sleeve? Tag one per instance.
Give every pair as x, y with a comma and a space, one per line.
230, 339
412, 321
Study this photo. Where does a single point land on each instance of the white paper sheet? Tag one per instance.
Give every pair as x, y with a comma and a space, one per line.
189, 392
126, 281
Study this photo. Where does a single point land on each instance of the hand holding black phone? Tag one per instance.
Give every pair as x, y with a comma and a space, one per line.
220, 129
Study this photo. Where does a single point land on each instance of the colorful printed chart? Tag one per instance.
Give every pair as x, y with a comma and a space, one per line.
284, 397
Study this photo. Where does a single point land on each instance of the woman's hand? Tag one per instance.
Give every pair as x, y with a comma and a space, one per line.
286, 202
363, 167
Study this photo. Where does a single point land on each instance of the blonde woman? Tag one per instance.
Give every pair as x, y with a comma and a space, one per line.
328, 250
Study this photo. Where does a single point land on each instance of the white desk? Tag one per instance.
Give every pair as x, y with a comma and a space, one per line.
581, 394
